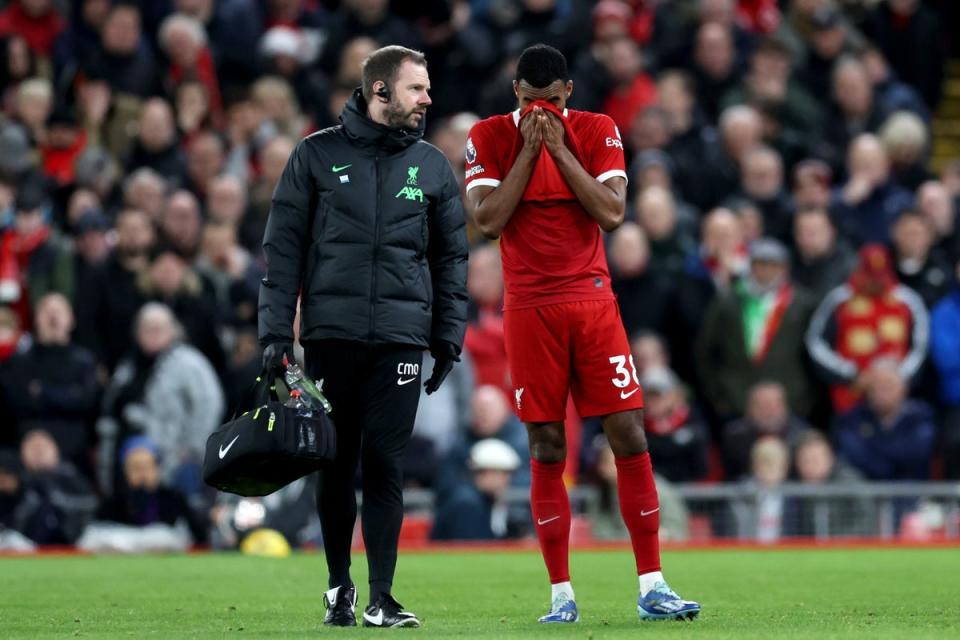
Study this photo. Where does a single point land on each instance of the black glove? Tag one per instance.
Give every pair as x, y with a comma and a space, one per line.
273, 355
444, 355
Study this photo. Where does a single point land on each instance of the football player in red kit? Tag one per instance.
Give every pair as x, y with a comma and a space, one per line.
545, 180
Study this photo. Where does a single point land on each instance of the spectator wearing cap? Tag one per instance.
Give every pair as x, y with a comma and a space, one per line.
939, 209
906, 140
91, 248
869, 317
821, 260
165, 390
911, 36
668, 226
64, 143
767, 415
828, 38
866, 206
115, 298
887, 436
917, 263
945, 352
677, 438
755, 332
489, 416
642, 291
37, 21
478, 509
53, 384
286, 52
34, 258
144, 500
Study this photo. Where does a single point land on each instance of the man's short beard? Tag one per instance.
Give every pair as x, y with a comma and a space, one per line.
396, 117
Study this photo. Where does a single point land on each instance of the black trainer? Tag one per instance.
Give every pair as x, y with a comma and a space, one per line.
387, 612
341, 606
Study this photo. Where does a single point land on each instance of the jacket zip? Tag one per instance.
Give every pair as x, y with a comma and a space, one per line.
376, 249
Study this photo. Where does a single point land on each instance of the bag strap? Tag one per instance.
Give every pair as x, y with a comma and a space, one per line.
262, 391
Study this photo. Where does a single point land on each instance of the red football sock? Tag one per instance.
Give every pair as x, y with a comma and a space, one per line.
640, 508
551, 515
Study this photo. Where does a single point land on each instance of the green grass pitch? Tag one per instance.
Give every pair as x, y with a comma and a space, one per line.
875, 594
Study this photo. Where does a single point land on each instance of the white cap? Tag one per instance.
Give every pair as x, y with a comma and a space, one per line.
492, 453
282, 41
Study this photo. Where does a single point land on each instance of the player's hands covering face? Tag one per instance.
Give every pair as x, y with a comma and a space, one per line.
530, 130
552, 130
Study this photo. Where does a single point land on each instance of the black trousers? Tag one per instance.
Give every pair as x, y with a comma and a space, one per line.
374, 391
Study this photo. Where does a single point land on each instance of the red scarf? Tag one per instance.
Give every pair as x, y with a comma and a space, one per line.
205, 72
15, 252
59, 163
667, 424
780, 305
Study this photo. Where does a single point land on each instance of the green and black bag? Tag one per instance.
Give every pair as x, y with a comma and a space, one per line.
267, 445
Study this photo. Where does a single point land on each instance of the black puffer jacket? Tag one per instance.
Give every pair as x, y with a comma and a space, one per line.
368, 221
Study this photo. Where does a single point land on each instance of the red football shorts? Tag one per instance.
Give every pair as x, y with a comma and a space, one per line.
578, 347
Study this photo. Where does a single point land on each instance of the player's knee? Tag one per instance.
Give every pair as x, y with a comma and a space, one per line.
625, 433
548, 452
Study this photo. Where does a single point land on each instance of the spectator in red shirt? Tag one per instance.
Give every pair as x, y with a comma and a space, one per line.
633, 89
36, 21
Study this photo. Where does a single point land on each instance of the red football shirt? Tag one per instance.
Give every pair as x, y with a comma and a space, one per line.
551, 248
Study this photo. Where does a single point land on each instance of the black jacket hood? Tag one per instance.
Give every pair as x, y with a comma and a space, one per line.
365, 132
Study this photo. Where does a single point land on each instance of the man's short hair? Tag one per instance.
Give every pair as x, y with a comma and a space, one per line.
383, 65
541, 65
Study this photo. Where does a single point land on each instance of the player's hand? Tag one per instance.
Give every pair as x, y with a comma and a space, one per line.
530, 130
274, 355
444, 355
552, 130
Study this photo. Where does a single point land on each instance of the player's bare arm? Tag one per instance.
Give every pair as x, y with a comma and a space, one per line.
606, 201
492, 207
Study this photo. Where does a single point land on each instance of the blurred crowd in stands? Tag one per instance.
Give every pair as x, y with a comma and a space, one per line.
789, 272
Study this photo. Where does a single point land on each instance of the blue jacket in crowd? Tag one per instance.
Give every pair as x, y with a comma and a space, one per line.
900, 451
945, 346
